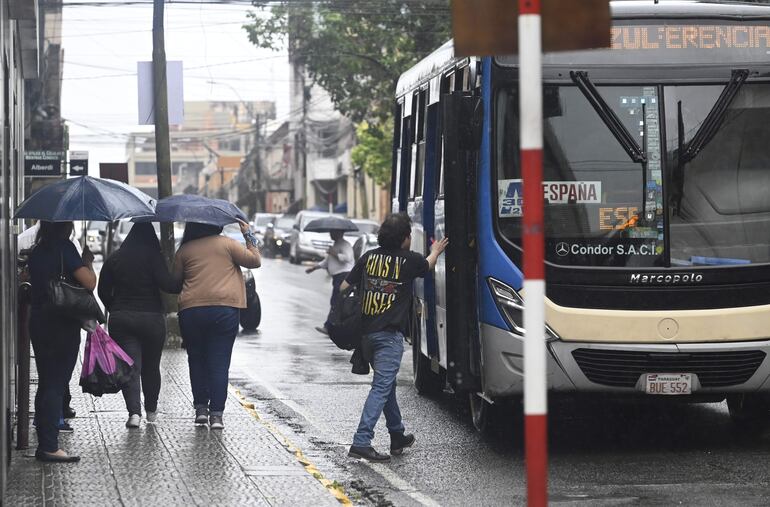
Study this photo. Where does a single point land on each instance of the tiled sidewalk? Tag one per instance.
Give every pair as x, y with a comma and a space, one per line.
168, 463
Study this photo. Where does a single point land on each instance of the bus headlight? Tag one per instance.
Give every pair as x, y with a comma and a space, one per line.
511, 306
509, 303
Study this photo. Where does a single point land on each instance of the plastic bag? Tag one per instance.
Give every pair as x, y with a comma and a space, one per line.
106, 367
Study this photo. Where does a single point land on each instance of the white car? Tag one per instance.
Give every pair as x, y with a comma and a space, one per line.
306, 245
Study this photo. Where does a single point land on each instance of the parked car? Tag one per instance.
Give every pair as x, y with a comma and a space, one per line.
121, 232
96, 237
308, 245
364, 243
278, 236
251, 316
261, 221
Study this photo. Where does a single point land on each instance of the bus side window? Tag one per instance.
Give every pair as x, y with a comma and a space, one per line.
419, 144
446, 87
396, 171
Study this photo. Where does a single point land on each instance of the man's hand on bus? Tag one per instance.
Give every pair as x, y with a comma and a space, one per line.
436, 249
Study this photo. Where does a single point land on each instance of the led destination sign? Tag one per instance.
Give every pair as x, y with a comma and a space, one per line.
701, 37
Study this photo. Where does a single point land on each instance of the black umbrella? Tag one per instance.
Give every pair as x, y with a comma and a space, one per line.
330, 223
86, 198
195, 208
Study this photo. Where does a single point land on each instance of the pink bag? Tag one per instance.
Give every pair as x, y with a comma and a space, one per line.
106, 367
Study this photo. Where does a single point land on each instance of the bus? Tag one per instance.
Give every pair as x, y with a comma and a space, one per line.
657, 212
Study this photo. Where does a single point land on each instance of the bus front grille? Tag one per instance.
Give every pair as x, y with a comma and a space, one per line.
622, 368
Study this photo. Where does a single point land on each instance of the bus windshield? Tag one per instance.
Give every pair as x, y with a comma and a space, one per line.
604, 209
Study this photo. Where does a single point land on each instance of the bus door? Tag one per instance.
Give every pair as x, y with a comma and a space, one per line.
416, 207
462, 115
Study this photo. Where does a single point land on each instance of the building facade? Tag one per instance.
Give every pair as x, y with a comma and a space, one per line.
206, 150
20, 49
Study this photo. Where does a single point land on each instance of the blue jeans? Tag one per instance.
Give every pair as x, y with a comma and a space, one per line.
385, 350
209, 334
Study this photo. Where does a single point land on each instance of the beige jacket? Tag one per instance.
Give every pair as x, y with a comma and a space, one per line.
210, 269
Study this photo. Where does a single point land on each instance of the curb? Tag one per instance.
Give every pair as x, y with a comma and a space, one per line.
334, 487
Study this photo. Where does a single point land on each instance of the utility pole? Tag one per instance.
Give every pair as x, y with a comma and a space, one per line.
162, 145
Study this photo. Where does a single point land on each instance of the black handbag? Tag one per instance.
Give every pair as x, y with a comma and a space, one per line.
70, 299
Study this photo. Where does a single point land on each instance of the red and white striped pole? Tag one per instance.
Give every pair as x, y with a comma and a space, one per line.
531, 136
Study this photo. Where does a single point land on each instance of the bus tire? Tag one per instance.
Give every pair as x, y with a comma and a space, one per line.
749, 411
426, 381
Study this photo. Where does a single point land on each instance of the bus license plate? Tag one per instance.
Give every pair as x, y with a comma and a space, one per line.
668, 383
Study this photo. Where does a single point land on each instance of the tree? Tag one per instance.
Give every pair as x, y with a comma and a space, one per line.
355, 49
374, 150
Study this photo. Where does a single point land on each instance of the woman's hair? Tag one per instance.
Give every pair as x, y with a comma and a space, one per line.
394, 230
194, 230
50, 232
142, 235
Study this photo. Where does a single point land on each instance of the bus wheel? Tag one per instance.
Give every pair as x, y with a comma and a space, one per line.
426, 381
749, 411
481, 412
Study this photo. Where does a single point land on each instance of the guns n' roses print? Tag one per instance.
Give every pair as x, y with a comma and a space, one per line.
388, 277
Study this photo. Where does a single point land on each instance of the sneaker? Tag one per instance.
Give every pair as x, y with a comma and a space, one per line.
322, 330
367, 453
133, 421
215, 422
152, 417
65, 428
69, 413
399, 442
201, 416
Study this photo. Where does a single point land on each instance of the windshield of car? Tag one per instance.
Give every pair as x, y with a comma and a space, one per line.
601, 207
264, 220
367, 228
232, 230
97, 226
306, 219
284, 223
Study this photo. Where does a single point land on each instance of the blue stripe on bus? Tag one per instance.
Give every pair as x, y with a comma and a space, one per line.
492, 260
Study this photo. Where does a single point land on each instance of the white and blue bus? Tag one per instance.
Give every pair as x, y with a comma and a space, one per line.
657, 210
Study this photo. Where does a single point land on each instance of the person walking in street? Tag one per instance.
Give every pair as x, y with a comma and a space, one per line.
338, 263
129, 286
55, 337
387, 273
213, 292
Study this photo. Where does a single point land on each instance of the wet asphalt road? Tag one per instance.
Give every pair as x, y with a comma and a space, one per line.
601, 453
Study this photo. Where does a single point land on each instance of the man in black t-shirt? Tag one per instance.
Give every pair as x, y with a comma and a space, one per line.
387, 275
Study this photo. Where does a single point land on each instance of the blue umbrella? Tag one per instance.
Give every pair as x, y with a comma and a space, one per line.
86, 198
195, 208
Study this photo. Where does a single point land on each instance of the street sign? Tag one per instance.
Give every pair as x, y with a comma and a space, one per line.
490, 27
78, 163
43, 163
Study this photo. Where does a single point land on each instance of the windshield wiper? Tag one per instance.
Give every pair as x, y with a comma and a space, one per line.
706, 132
716, 116
608, 116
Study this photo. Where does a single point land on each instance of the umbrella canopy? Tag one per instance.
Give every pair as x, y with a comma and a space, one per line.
86, 198
195, 208
328, 224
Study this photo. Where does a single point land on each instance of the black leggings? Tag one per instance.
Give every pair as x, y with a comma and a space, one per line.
55, 340
142, 335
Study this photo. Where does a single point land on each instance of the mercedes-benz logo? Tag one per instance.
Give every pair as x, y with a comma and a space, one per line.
562, 249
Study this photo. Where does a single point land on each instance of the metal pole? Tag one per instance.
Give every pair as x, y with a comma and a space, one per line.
535, 381
162, 143
22, 426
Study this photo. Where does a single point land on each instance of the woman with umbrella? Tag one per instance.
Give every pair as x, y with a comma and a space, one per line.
339, 259
55, 335
129, 286
213, 293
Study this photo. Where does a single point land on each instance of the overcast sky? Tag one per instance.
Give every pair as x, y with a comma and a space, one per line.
102, 46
